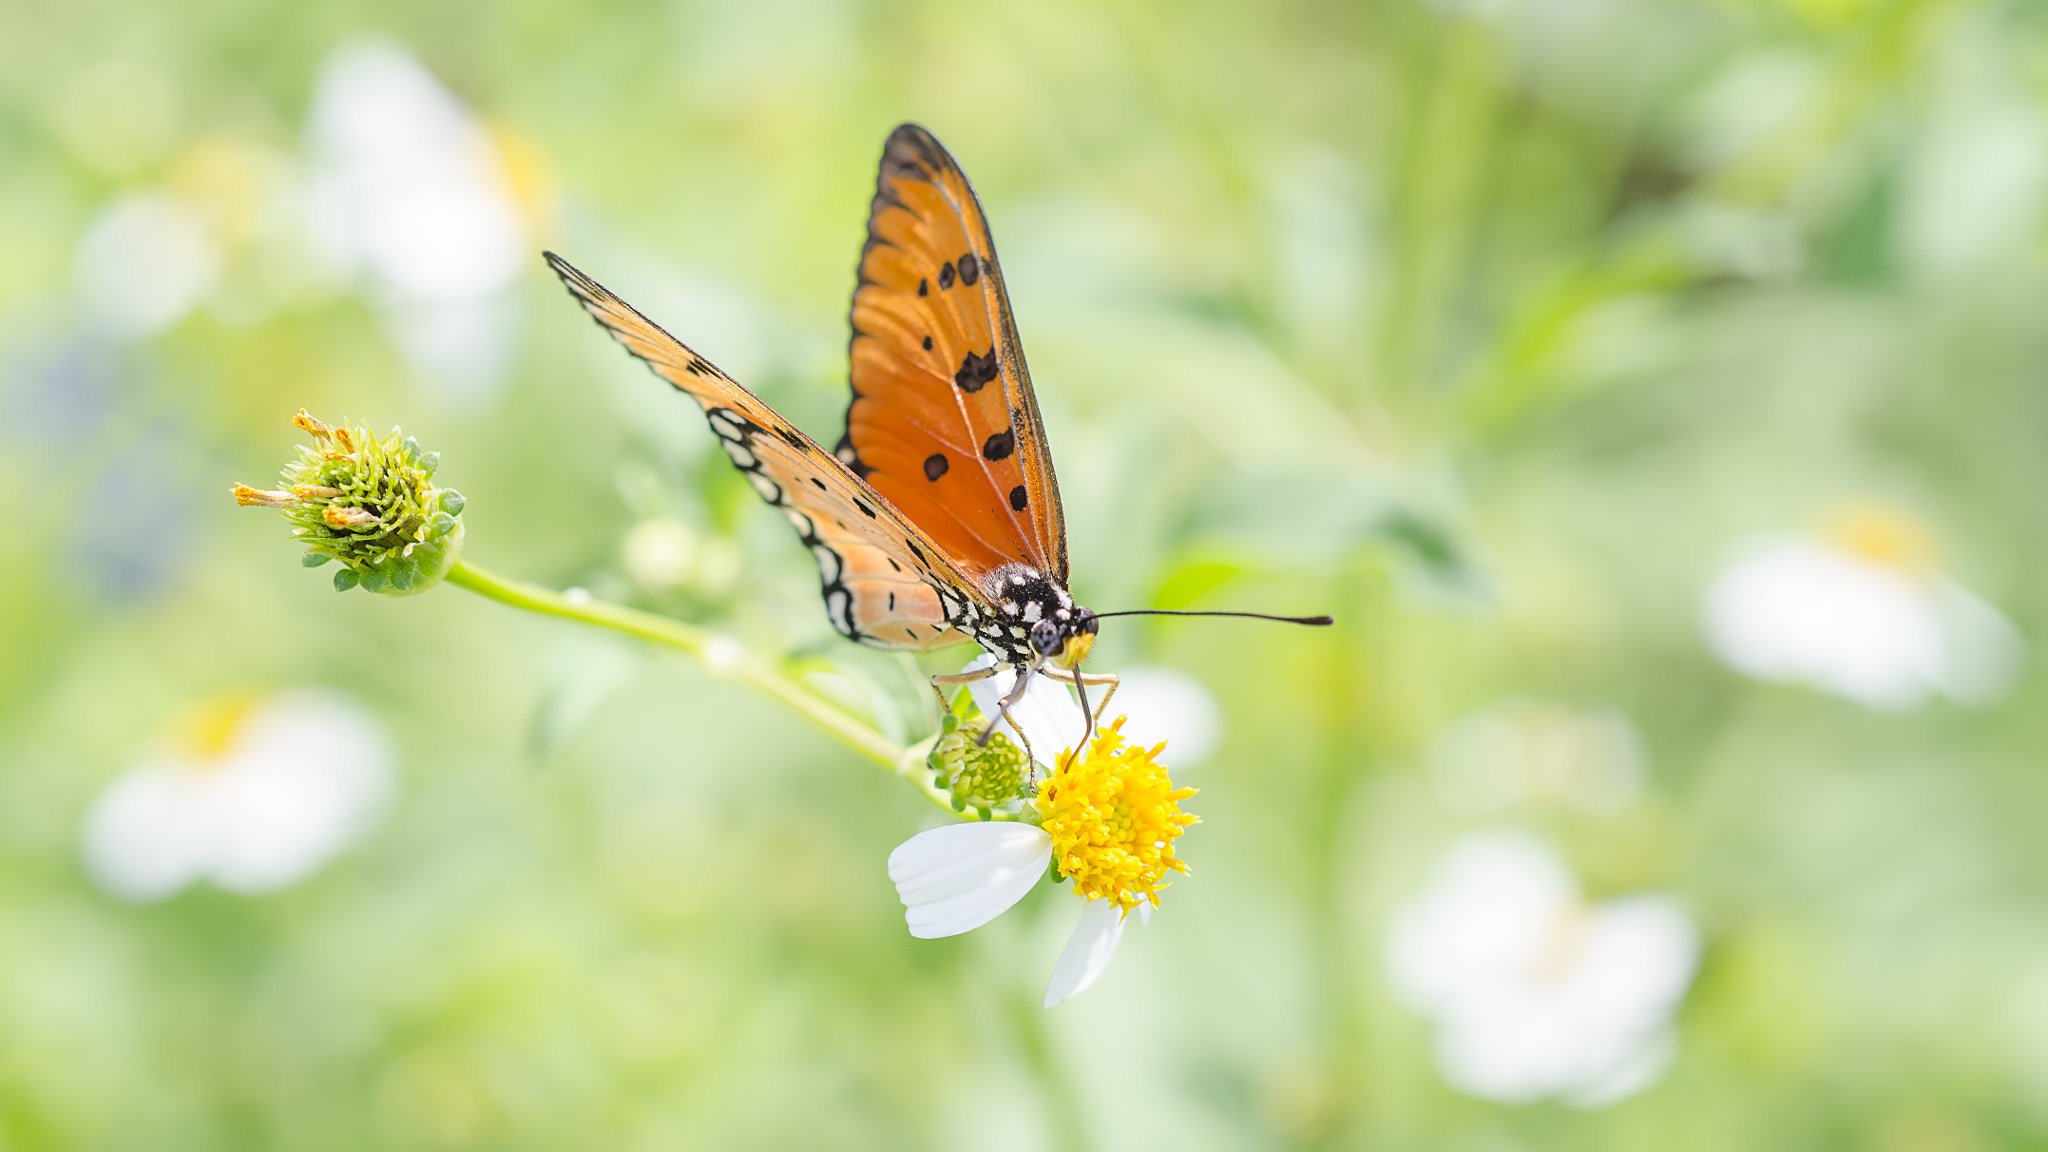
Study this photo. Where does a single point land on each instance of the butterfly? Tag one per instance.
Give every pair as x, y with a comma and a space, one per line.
936, 518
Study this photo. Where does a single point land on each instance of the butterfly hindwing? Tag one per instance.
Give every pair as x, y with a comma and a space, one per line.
943, 421
884, 581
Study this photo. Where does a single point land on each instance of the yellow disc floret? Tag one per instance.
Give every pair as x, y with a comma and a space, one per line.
1113, 816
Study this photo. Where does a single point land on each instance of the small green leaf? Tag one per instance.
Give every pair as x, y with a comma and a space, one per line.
314, 559
346, 579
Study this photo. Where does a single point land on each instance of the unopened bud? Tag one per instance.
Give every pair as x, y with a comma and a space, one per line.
369, 502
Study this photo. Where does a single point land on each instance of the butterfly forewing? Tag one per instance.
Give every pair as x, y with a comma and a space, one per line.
943, 421
885, 582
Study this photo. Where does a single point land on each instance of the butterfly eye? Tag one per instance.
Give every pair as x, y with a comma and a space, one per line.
1045, 636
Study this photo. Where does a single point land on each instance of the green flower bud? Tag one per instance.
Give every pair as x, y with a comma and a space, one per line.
367, 502
981, 777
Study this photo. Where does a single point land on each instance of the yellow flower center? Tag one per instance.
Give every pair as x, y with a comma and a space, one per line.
209, 731
1113, 816
1882, 535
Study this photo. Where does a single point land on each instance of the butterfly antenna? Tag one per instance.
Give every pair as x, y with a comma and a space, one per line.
1315, 620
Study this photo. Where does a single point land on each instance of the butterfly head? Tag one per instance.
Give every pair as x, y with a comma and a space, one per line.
1065, 642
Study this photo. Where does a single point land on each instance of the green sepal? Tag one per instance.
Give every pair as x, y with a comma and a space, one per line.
314, 559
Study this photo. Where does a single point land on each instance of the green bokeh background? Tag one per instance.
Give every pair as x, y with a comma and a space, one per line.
1485, 326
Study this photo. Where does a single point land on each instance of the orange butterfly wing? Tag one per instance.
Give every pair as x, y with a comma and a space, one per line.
885, 582
932, 331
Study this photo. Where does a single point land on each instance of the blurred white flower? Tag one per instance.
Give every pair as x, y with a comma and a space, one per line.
1534, 992
660, 554
958, 877
1862, 614
1522, 751
261, 797
143, 264
410, 192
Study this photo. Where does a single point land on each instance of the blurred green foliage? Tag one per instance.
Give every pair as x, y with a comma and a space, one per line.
1485, 325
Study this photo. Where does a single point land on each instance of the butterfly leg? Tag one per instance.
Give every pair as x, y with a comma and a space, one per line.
1009, 700
947, 680
1086, 680
1016, 693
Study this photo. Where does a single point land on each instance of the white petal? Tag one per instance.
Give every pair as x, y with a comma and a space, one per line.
1983, 653
1049, 719
1485, 919
1087, 953
148, 834
309, 772
1793, 610
959, 877
1166, 704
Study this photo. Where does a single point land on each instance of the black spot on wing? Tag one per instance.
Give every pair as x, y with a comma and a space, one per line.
999, 446
793, 438
927, 343
863, 506
924, 288
970, 269
935, 466
946, 275
976, 371
818, 484
1018, 498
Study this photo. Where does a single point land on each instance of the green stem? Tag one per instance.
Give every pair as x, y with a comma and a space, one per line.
722, 655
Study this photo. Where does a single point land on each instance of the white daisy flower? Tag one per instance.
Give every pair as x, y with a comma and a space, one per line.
1860, 613
1534, 992
412, 193
264, 793
1108, 816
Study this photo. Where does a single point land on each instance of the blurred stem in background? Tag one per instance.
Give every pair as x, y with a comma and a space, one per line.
720, 654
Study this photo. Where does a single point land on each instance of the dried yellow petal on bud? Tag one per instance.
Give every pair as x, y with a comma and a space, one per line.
312, 425
309, 491
249, 497
340, 517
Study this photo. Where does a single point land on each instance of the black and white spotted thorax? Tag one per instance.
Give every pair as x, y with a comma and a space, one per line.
1029, 617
